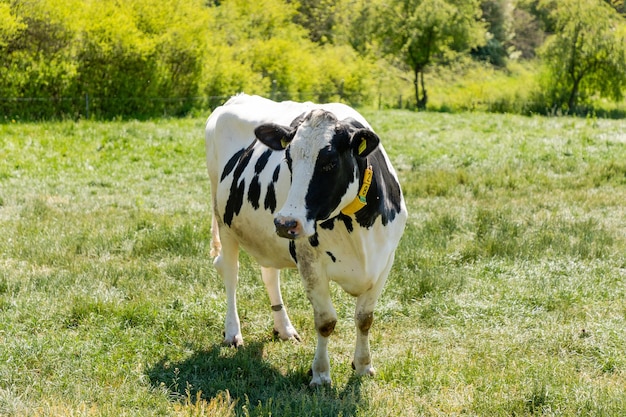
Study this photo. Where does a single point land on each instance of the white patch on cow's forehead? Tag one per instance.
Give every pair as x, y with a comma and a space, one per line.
314, 134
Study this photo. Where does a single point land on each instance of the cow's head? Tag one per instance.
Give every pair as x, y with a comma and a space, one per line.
324, 155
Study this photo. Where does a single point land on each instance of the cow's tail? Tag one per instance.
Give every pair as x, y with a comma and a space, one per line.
216, 243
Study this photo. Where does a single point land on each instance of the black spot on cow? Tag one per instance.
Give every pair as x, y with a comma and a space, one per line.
237, 188
330, 223
270, 196
262, 161
314, 240
332, 257
254, 192
276, 173
230, 165
292, 251
347, 222
234, 203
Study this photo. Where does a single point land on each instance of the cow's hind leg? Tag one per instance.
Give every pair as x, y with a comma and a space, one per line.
364, 318
282, 324
227, 265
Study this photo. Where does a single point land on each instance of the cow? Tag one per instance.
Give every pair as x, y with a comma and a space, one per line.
306, 186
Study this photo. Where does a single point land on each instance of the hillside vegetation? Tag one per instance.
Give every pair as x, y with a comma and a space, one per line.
147, 58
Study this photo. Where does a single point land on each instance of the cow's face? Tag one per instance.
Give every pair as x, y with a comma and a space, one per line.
323, 155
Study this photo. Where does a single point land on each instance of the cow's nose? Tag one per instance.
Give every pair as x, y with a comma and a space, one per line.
287, 228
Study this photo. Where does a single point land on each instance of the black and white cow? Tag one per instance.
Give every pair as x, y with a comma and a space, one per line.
307, 186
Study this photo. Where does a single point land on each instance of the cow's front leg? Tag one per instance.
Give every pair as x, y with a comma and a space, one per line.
227, 265
282, 325
318, 293
364, 318
324, 324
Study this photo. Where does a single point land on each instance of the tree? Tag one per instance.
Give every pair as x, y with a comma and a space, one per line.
587, 54
320, 18
618, 5
10, 25
37, 58
419, 33
498, 16
528, 33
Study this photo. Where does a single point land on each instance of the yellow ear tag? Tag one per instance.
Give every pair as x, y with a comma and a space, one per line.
362, 146
284, 142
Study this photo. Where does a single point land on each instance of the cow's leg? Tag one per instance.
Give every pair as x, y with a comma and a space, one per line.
282, 324
364, 317
318, 293
227, 265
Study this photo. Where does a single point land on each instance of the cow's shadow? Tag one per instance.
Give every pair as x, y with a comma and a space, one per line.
256, 387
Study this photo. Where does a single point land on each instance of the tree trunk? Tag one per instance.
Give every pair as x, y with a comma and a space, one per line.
573, 97
420, 101
421, 104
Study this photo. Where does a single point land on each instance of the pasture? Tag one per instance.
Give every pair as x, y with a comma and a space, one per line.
508, 295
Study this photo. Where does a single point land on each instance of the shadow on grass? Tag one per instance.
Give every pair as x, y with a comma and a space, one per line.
257, 388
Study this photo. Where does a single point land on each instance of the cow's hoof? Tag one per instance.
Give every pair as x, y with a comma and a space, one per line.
234, 341
320, 381
288, 335
367, 370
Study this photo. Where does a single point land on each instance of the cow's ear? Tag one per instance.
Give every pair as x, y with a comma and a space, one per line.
364, 141
276, 137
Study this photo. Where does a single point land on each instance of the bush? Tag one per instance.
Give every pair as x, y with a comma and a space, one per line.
147, 58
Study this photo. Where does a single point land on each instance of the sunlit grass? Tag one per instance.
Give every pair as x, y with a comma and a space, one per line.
506, 297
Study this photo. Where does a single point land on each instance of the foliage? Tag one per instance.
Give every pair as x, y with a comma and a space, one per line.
322, 19
586, 56
477, 86
497, 14
143, 58
146, 58
121, 54
10, 25
528, 34
419, 33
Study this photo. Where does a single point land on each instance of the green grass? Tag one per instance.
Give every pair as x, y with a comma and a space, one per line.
507, 296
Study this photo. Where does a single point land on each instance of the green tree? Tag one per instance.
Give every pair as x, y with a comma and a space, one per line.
132, 55
618, 5
10, 25
320, 18
498, 16
419, 33
528, 33
587, 54
36, 61
264, 51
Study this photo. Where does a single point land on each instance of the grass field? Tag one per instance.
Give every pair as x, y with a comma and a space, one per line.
508, 296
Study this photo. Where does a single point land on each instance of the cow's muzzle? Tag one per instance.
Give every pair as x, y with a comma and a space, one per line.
287, 227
